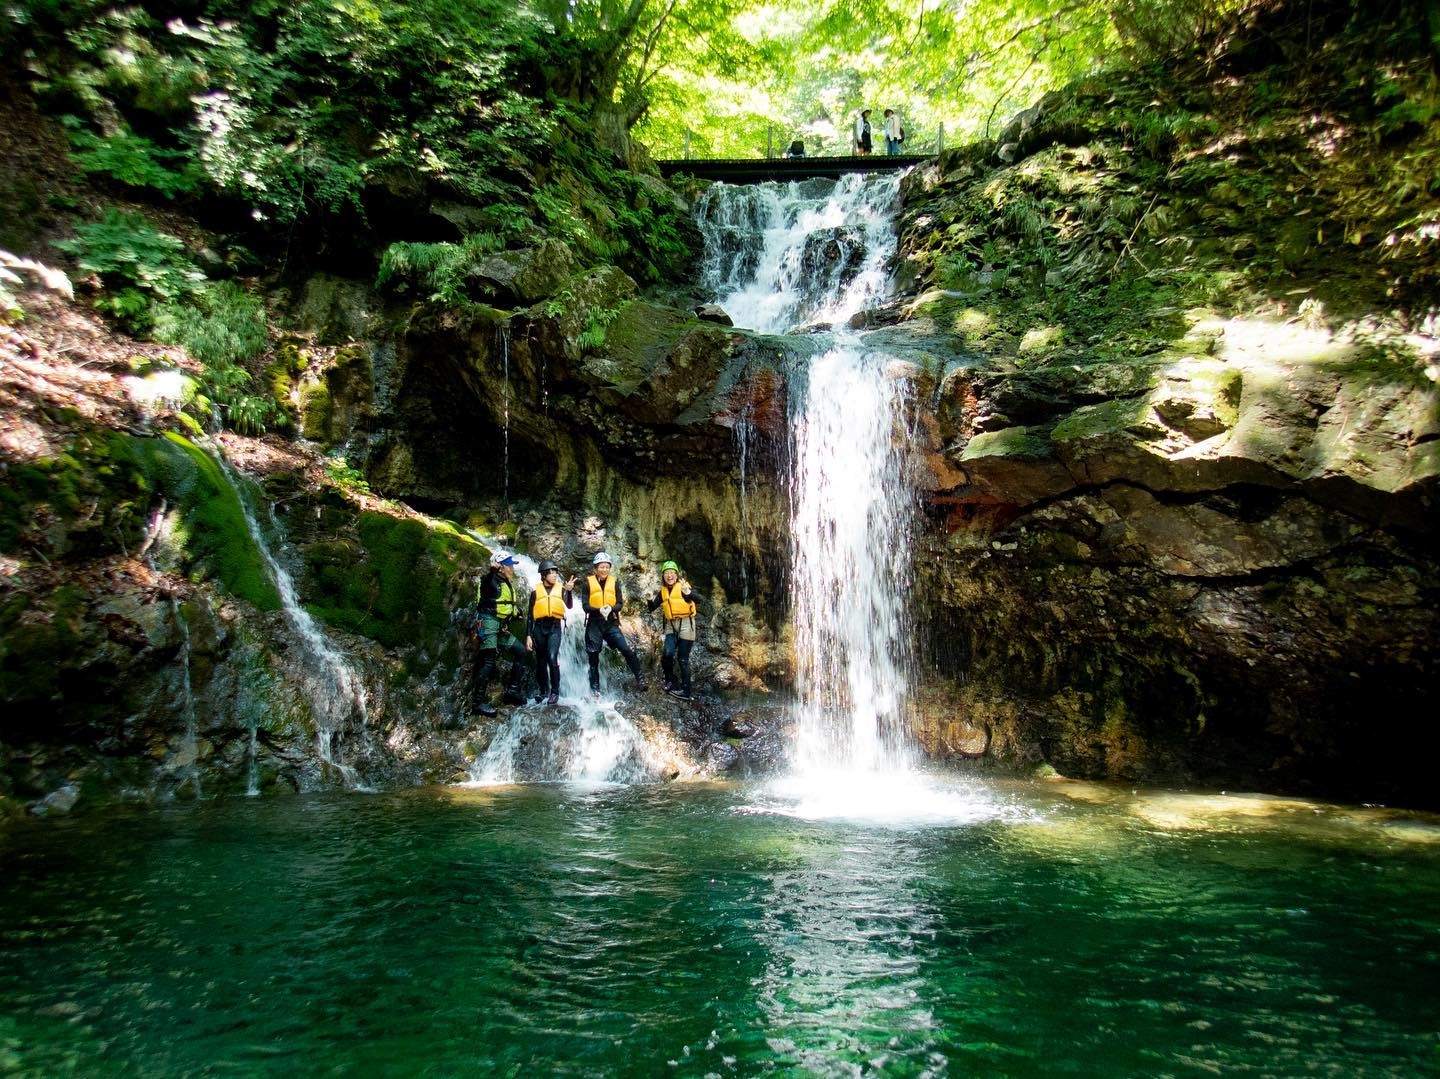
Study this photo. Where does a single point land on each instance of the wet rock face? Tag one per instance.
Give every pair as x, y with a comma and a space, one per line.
1181, 571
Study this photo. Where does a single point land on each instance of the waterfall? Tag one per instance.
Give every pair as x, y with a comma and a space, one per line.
191, 750
808, 252
189, 755
782, 257
505, 408
850, 512
581, 740
335, 693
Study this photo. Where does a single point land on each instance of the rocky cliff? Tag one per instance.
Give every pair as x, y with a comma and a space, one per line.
1181, 460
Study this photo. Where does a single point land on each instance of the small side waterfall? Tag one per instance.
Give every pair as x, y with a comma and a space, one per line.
504, 333
191, 749
783, 257
581, 740
335, 692
189, 754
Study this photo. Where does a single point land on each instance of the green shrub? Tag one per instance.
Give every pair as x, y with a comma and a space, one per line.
223, 327
135, 262
133, 161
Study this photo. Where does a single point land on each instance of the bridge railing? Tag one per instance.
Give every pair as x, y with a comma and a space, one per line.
930, 148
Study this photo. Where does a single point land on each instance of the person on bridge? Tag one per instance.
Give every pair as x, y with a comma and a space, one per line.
601, 600
894, 133
543, 624
678, 599
863, 145
797, 149
495, 608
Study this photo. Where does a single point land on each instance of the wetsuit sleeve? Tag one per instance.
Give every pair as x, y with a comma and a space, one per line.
619, 598
655, 601
570, 599
585, 597
530, 616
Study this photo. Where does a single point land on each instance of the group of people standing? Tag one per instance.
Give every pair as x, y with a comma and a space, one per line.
863, 141
498, 605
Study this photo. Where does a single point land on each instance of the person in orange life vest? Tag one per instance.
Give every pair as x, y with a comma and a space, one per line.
678, 600
497, 606
601, 599
543, 624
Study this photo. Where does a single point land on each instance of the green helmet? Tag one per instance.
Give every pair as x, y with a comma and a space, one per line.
669, 565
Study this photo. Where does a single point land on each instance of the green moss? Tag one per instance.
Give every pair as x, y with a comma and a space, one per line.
213, 530
1023, 442
315, 410
391, 585
280, 374
1125, 415
34, 651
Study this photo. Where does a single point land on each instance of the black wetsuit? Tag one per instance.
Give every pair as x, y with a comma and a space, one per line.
600, 631
544, 633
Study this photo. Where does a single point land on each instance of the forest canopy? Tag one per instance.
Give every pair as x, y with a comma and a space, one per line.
293, 108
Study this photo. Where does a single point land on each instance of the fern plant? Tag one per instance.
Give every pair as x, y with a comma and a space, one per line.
132, 160
135, 262
440, 268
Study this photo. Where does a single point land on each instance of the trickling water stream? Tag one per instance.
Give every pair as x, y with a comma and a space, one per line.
335, 692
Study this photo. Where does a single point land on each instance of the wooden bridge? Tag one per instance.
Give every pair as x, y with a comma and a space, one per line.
756, 171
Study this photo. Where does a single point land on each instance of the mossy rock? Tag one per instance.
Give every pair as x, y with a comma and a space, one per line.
392, 581
38, 637
213, 528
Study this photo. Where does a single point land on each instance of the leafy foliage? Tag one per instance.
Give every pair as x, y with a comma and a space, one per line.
440, 268
134, 161
136, 262
223, 327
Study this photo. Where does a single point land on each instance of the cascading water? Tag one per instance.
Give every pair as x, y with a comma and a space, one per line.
785, 257
805, 253
581, 740
850, 511
335, 693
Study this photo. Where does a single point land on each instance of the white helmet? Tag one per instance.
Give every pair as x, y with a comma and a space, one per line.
601, 556
500, 558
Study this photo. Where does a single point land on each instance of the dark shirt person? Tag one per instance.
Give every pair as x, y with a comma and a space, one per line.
601, 599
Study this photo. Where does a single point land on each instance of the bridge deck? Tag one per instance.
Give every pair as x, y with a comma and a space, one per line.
786, 168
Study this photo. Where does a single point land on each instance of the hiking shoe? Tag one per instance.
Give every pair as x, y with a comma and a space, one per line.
554, 698
484, 709
669, 686
675, 691
513, 696
640, 684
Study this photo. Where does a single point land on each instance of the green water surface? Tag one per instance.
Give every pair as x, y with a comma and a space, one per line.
693, 930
